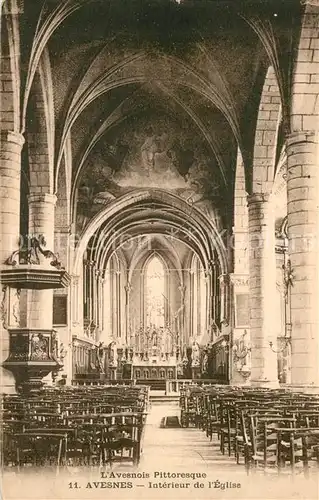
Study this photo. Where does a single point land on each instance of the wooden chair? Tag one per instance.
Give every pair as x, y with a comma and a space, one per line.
123, 438
264, 440
40, 449
228, 428
298, 449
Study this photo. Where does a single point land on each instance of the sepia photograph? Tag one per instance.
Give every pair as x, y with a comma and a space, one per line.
159, 263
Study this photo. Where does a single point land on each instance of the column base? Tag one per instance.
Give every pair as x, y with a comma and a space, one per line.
7, 382
237, 383
271, 384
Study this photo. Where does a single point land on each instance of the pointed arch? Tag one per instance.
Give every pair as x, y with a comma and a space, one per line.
172, 259
175, 213
266, 136
10, 66
240, 220
155, 273
40, 129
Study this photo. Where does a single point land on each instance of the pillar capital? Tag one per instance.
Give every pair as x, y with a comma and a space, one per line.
46, 198
224, 279
239, 280
255, 198
12, 137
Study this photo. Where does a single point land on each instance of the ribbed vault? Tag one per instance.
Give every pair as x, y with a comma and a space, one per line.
152, 212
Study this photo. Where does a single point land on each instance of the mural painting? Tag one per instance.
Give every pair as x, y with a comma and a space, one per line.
149, 156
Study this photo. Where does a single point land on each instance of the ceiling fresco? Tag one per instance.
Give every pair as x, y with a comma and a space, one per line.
160, 153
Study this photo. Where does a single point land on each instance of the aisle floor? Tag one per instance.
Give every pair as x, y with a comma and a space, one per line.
180, 448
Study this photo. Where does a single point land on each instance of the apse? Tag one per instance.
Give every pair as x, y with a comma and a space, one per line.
150, 284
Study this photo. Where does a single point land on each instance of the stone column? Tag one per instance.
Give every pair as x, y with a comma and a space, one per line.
303, 227
41, 222
99, 305
262, 290
209, 306
95, 301
76, 299
224, 298
128, 289
10, 168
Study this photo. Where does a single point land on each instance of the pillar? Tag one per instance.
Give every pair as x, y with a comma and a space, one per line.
302, 194
128, 289
262, 290
224, 298
99, 305
10, 168
41, 222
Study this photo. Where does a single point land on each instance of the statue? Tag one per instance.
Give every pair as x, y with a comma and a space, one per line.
39, 347
113, 354
288, 277
177, 352
205, 363
154, 338
100, 357
195, 354
55, 345
16, 307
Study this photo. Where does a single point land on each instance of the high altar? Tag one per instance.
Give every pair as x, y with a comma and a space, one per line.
156, 353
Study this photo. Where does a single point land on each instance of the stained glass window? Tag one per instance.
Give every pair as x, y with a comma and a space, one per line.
155, 292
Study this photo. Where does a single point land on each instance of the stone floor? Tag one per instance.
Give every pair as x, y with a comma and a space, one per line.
179, 447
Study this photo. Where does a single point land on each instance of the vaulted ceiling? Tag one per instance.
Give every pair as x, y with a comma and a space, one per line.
195, 68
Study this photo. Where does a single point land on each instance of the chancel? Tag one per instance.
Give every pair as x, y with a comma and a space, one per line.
159, 202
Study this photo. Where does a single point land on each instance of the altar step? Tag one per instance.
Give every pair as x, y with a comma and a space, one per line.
155, 384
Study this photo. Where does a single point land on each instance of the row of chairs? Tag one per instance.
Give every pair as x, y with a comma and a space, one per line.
75, 427
272, 430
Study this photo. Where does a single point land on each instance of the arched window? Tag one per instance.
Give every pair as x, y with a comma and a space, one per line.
155, 293
199, 297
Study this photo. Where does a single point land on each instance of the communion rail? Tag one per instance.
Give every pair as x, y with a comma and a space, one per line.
175, 386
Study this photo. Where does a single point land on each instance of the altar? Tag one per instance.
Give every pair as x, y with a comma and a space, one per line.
157, 354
